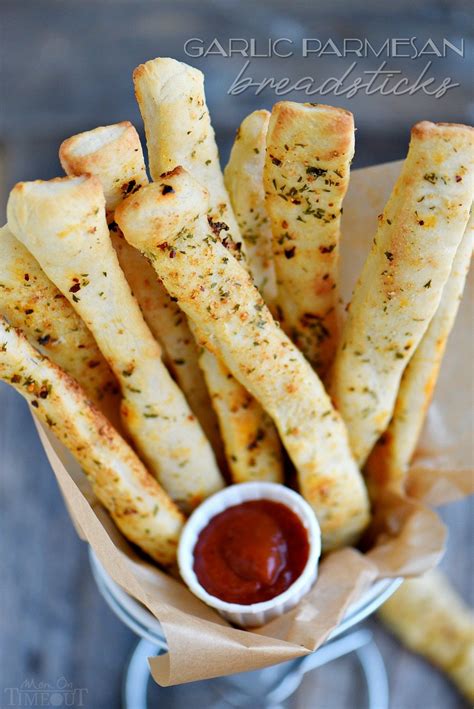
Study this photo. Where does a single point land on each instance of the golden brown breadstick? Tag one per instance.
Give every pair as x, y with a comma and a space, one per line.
429, 617
32, 303
114, 155
402, 281
167, 221
63, 224
306, 175
141, 509
178, 130
166, 89
244, 181
251, 441
388, 463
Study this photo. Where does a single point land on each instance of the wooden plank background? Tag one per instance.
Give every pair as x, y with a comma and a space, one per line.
66, 67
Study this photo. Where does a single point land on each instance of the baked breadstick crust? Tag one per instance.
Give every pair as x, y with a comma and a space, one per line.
140, 508
32, 303
430, 618
63, 224
251, 443
97, 152
170, 95
168, 222
309, 151
166, 89
170, 328
388, 463
114, 154
243, 178
403, 278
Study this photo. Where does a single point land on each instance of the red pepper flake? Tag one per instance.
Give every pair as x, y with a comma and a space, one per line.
458, 178
172, 253
275, 160
93, 364
27, 277
167, 189
76, 287
289, 253
327, 249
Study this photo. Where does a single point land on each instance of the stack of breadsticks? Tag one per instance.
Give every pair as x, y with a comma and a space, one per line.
175, 332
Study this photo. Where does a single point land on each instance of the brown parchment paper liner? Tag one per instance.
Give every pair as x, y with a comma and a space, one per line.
405, 538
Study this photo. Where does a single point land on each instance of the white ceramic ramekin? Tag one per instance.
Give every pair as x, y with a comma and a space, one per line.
254, 614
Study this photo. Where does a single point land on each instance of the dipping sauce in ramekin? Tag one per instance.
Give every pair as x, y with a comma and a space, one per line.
251, 551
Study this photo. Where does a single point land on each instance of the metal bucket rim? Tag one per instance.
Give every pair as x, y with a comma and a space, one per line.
145, 625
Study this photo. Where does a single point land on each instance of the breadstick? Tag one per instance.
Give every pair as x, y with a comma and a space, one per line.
140, 508
243, 177
251, 441
429, 617
402, 281
178, 131
63, 224
388, 463
32, 303
306, 176
167, 89
114, 155
167, 221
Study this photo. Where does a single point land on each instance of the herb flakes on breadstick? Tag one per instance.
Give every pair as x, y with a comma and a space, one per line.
63, 224
114, 155
140, 508
403, 278
167, 89
168, 222
251, 441
178, 130
244, 181
389, 461
32, 303
306, 176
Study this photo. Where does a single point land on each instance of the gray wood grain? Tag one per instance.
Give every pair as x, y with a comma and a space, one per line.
66, 67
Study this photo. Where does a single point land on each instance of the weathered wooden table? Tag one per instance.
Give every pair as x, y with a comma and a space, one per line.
66, 68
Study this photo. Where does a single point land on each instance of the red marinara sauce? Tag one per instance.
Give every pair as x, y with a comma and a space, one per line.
251, 552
